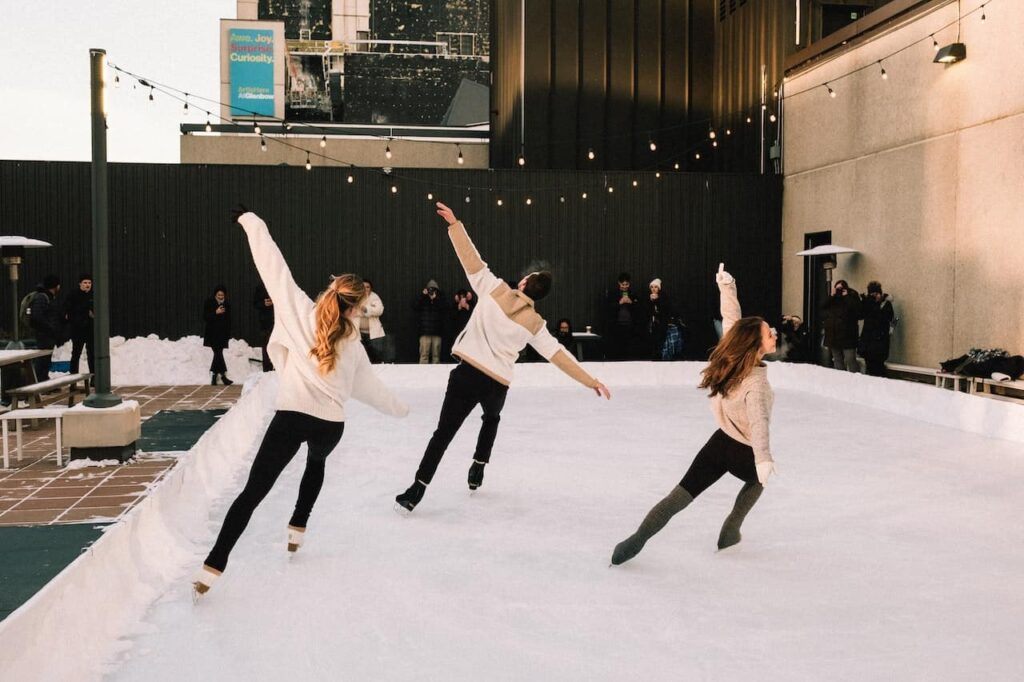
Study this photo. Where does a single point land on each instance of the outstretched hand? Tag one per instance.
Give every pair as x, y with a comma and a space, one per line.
238, 212
723, 277
602, 391
446, 213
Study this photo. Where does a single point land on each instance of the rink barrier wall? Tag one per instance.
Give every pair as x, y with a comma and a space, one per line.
103, 594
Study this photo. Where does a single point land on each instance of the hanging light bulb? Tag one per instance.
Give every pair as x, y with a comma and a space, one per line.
635, 183
522, 160
696, 156
529, 201
728, 131
323, 142
831, 92
117, 80
309, 165
657, 174
983, 12
584, 195
287, 127
712, 134
209, 128
650, 143
184, 110
611, 190
561, 200
461, 159
772, 118
467, 200
590, 154
884, 75
256, 128
430, 196
748, 119
499, 202
150, 93
676, 164
394, 189
714, 143
935, 43
387, 151
351, 179
263, 144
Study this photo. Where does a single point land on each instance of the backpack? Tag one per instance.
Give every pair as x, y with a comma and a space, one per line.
25, 312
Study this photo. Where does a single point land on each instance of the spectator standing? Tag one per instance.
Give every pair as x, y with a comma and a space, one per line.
370, 327
876, 309
264, 306
623, 314
79, 313
657, 314
217, 316
46, 321
563, 334
430, 306
794, 336
841, 312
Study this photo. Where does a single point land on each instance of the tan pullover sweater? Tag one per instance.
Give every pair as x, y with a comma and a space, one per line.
503, 322
745, 413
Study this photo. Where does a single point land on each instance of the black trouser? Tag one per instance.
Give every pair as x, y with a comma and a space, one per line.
875, 365
368, 345
620, 340
287, 431
41, 365
77, 343
719, 455
218, 366
268, 366
467, 388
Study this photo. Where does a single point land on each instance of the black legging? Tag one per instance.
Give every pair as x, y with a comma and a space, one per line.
719, 455
287, 431
467, 387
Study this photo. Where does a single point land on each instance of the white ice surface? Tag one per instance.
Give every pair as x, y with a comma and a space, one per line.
888, 548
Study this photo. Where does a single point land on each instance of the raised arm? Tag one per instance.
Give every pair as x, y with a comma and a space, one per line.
555, 353
480, 276
271, 265
730, 303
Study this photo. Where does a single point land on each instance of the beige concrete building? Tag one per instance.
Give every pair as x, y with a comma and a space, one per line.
922, 172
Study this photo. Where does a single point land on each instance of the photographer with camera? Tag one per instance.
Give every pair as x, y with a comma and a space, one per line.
841, 312
430, 306
878, 315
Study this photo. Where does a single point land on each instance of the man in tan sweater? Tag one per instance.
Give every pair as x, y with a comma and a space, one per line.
501, 325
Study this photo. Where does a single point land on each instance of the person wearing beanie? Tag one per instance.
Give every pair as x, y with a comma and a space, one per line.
431, 308
657, 311
876, 309
217, 333
47, 322
78, 311
741, 400
502, 324
316, 351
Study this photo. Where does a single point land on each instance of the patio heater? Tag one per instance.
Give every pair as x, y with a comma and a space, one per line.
12, 250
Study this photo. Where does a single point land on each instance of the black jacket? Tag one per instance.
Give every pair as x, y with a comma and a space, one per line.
431, 314
264, 314
617, 312
656, 314
46, 319
841, 314
460, 317
218, 327
77, 310
874, 337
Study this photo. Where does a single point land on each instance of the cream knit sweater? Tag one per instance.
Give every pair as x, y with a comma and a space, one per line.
303, 388
745, 413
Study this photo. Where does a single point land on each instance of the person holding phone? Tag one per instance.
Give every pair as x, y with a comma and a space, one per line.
217, 318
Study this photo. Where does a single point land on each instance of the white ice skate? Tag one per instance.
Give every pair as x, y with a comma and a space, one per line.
295, 537
204, 581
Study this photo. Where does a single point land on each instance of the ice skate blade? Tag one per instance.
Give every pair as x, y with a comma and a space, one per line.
402, 511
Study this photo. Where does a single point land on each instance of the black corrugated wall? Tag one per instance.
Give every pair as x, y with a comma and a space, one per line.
172, 240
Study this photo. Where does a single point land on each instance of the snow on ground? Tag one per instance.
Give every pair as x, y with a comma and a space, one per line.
152, 361
886, 549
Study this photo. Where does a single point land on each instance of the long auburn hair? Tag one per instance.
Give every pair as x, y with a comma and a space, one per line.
734, 357
332, 325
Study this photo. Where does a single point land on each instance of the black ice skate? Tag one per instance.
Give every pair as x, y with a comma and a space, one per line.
411, 497
476, 474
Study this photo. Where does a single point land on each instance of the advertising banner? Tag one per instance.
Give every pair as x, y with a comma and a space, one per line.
251, 67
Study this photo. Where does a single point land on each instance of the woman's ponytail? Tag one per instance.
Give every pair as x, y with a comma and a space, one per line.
332, 324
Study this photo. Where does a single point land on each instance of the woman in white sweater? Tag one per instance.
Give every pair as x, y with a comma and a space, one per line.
316, 351
741, 400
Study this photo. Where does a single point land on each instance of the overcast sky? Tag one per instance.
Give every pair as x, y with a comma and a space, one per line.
44, 85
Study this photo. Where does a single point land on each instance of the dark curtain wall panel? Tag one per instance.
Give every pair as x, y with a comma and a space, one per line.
172, 241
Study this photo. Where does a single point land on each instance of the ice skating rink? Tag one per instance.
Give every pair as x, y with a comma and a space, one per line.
888, 548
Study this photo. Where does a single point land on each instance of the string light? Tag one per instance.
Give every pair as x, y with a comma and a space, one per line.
728, 131
500, 203
935, 43
654, 147
676, 164
884, 75
150, 93
831, 92
467, 200
117, 80
772, 118
287, 127
983, 11
584, 195
394, 189
256, 127
714, 143
561, 200
590, 154
529, 201
635, 183
263, 144
351, 179
657, 174
711, 133
696, 156
461, 159
209, 128
309, 165
611, 190
522, 160
323, 142
387, 151
184, 110
430, 196
748, 119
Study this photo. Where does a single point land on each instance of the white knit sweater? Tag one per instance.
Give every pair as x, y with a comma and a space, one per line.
303, 388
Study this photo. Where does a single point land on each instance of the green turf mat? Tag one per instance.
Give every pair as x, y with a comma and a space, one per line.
30, 556
176, 430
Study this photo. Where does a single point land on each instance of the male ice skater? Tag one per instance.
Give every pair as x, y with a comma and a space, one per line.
501, 325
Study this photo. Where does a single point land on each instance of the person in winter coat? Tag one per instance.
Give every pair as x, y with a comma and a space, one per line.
841, 313
794, 334
321, 363
370, 327
78, 311
501, 325
657, 311
431, 308
47, 322
624, 315
264, 306
876, 309
217, 332
741, 400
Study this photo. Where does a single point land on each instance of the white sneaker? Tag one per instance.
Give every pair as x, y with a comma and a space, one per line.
204, 580
295, 536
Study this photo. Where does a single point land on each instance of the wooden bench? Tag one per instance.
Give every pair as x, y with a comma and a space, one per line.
33, 392
982, 386
940, 378
55, 413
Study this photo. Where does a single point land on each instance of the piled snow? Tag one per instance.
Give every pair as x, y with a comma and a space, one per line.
152, 361
882, 551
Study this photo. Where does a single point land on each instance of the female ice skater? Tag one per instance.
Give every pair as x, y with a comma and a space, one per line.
741, 400
500, 326
316, 350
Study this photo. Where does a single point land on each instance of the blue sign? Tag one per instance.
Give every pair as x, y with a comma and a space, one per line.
251, 70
